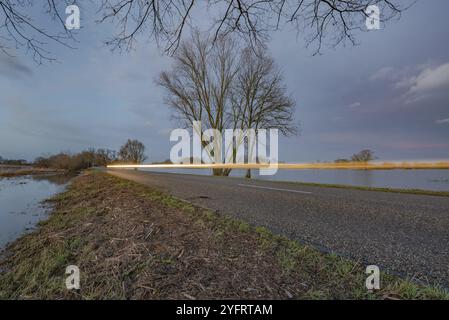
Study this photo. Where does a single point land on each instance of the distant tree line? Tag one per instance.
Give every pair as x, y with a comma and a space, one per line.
131, 152
11, 162
365, 155
78, 161
166, 161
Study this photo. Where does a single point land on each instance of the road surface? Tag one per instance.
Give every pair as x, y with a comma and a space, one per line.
403, 234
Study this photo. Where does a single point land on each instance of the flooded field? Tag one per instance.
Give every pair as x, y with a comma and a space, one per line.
20, 203
435, 180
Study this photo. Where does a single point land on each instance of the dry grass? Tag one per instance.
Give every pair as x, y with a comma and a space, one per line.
133, 242
28, 171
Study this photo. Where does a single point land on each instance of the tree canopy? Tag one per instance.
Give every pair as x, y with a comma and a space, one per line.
133, 151
319, 22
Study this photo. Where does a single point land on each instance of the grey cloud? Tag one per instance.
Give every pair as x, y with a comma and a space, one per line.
384, 74
442, 121
355, 105
11, 67
43, 122
417, 83
429, 80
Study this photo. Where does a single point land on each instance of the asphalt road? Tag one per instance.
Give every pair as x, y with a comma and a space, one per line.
401, 233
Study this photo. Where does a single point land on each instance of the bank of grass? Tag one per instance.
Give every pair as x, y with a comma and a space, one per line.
134, 242
407, 191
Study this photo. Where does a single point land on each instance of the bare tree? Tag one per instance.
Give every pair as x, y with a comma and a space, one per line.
260, 98
225, 87
103, 157
133, 151
199, 88
18, 29
363, 156
319, 21
166, 20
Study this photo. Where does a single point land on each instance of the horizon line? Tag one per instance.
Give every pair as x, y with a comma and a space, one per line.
296, 166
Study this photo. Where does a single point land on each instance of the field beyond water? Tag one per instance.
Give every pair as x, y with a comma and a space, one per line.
133, 242
16, 171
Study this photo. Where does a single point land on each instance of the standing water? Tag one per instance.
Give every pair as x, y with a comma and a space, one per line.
20, 203
434, 180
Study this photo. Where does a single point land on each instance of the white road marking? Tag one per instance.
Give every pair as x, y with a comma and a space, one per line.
275, 189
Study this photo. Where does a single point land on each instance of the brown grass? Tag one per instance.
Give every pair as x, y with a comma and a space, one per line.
26, 172
133, 242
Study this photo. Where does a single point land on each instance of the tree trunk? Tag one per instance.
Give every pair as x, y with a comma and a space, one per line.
221, 172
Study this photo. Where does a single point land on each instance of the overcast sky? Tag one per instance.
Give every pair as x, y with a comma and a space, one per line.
390, 94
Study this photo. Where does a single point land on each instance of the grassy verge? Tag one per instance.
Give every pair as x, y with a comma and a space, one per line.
407, 191
133, 242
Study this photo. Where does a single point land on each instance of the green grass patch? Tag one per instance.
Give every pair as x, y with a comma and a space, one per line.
392, 190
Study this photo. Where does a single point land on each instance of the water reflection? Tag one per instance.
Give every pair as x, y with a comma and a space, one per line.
20, 202
58, 179
436, 180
